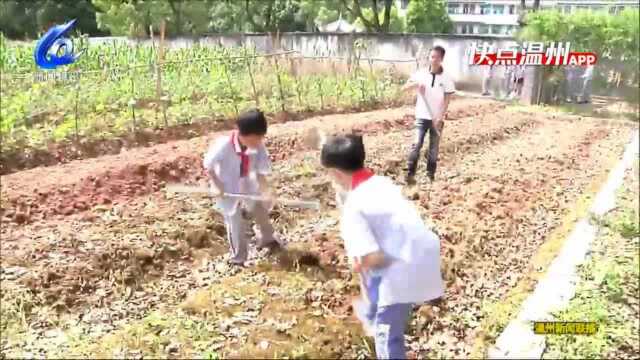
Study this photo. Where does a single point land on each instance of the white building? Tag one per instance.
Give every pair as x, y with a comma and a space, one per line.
500, 17
339, 25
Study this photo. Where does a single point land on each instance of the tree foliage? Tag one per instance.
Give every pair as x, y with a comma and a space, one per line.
276, 15
369, 13
134, 17
613, 37
320, 12
25, 19
28, 19
428, 16
396, 23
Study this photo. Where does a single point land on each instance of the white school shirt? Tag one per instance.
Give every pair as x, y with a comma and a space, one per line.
519, 72
430, 105
487, 72
223, 159
376, 216
588, 73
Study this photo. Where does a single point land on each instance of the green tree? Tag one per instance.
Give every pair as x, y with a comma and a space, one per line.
134, 17
428, 16
18, 20
319, 12
273, 15
370, 18
226, 16
614, 38
28, 19
396, 23
524, 10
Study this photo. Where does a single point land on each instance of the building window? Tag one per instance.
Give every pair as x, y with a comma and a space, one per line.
485, 9
468, 8
497, 29
582, 7
453, 8
567, 9
512, 9
483, 29
498, 9
404, 4
466, 29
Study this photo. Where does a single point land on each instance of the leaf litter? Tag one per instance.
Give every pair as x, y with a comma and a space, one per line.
140, 257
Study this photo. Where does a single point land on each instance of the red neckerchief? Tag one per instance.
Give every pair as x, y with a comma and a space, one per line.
359, 177
244, 157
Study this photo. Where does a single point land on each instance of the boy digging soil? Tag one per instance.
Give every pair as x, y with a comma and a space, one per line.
239, 164
397, 256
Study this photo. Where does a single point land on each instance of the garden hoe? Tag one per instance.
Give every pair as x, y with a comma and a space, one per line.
301, 204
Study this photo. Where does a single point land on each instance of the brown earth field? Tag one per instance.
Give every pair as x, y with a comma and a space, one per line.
99, 261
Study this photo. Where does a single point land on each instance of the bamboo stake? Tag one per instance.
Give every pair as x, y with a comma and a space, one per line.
256, 97
77, 100
159, 63
132, 102
294, 72
279, 84
230, 84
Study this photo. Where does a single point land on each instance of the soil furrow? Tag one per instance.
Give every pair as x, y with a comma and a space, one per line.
79, 185
506, 179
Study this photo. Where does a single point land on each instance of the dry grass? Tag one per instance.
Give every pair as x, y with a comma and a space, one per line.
497, 315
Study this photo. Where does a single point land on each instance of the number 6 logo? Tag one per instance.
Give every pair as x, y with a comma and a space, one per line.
54, 49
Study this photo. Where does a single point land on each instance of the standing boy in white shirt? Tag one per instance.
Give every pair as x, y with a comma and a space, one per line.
487, 75
433, 94
239, 164
397, 256
587, 77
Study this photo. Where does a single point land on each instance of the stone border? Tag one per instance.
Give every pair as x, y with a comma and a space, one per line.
557, 288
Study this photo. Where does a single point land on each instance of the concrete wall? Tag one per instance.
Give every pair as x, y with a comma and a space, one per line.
404, 47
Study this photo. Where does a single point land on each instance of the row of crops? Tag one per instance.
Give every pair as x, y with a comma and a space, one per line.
113, 89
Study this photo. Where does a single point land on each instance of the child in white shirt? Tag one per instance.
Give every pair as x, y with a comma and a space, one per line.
239, 164
397, 256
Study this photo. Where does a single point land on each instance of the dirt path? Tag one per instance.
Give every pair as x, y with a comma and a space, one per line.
505, 181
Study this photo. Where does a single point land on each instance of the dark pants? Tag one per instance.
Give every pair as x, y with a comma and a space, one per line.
422, 127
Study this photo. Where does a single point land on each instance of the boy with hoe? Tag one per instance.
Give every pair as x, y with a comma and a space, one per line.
397, 256
239, 164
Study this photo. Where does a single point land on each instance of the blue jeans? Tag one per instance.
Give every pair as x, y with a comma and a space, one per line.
387, 323
422, 127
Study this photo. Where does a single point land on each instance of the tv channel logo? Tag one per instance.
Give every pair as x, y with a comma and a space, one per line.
55, 49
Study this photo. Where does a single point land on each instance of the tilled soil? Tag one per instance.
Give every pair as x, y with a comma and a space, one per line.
505, 181
77, 186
